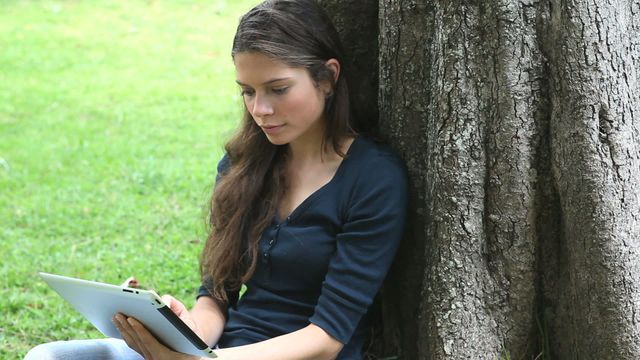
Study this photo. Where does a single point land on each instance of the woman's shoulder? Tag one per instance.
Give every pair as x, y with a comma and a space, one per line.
224, 162
377, 178
373, 167
373, 155
223, 166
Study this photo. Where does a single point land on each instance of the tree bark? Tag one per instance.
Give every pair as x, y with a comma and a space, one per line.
593, 51
518, 123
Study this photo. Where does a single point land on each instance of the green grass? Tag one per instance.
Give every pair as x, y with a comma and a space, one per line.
112, 118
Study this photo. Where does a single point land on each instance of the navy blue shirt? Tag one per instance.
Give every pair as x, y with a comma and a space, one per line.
325, 263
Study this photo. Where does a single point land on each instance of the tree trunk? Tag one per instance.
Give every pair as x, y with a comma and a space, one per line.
593, 50
518, 124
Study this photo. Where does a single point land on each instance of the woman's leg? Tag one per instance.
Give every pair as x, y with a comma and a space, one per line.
102, 349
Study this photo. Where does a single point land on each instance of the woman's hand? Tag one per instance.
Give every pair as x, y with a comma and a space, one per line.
140, 339
181, 311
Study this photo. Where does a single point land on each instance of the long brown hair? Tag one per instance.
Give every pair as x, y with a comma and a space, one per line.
300, 34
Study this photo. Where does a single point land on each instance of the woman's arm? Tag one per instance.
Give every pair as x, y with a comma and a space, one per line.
308, 343
209, 317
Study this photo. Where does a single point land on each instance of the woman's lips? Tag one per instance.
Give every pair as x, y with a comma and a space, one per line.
271, 129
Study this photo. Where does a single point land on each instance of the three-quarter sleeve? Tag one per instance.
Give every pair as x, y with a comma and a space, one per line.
207, 284
365, 248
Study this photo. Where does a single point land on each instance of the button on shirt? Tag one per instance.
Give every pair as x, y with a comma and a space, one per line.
325, 263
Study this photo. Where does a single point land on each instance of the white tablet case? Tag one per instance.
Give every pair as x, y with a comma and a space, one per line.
99, 302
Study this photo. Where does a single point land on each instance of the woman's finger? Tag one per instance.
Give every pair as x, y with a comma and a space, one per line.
147, 345
175, 305
147, 340
128, 334
135, 327
154, 349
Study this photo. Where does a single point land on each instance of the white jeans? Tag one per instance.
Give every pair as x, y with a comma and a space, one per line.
100, 349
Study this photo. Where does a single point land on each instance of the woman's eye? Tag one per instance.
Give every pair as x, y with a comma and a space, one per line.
280, 90
245, 92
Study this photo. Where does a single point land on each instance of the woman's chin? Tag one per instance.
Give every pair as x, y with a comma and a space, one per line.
277, 140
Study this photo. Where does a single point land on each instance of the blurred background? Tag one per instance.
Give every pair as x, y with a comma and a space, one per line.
113, 115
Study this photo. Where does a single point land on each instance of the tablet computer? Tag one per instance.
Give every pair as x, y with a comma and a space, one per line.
99, 302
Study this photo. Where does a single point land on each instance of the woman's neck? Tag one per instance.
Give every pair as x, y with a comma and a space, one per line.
303, 152
309, 152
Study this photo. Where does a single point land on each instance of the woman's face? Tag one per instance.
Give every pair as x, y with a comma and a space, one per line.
284, 101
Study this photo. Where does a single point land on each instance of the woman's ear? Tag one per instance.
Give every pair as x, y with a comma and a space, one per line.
334, 66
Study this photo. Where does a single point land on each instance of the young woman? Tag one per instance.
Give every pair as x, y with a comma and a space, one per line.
306, 213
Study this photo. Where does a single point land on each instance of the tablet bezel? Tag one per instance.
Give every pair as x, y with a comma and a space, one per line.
99, 302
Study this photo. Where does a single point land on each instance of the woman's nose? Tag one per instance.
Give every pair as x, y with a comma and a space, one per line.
261, 107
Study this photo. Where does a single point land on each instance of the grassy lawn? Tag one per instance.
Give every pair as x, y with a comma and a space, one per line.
112, 118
